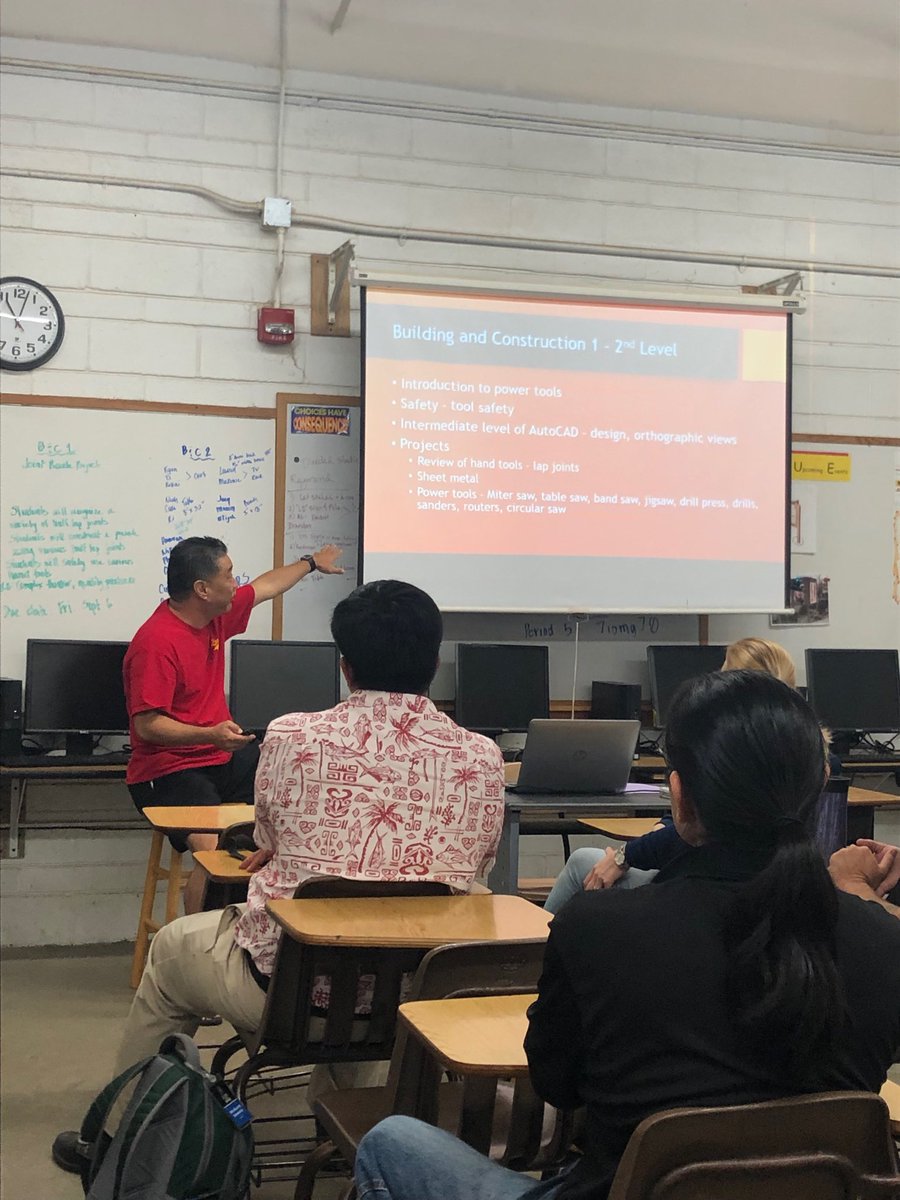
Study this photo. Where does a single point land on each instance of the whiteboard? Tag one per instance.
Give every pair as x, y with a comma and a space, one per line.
318, 498
92, 500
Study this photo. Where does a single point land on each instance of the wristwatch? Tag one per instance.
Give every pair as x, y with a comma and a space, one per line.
308, 558
620, 860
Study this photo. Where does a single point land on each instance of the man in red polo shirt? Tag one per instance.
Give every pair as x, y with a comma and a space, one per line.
186, 749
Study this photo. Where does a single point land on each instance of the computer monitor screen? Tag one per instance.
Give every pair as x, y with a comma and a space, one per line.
74, 687
670, 666
501, 687
855, 689
269, 679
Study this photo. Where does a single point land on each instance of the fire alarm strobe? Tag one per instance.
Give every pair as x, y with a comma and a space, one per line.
275, 326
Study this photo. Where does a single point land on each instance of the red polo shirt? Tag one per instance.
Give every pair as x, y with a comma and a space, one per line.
180, 671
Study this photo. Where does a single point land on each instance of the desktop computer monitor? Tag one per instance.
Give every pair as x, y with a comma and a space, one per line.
670, 666
269, 679
500, 687
855, 691
75, 688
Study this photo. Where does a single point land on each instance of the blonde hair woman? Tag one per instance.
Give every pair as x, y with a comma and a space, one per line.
756, 654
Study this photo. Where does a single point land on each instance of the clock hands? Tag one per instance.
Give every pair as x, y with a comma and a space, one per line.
12, 311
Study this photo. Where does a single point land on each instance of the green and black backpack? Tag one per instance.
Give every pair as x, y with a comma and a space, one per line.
182, 1135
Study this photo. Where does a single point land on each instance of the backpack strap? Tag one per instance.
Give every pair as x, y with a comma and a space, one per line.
95, 1118
185, 1048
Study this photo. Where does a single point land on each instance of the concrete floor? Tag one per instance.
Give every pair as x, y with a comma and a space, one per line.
61, 1017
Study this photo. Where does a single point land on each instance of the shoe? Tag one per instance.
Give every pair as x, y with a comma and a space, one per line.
70, 1152
210, 1021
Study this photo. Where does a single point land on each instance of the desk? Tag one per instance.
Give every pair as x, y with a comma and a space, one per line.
622, 829
558, 814
226, 882
474, 1035
19, 776
861, 805
197, 818
485, 1035
414, 922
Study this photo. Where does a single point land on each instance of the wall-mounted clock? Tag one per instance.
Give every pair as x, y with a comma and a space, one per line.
32, 325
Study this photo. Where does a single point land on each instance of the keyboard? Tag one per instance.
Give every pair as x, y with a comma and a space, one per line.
871, 754
117, 758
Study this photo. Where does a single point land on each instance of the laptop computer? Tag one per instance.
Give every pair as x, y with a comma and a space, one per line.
577, 757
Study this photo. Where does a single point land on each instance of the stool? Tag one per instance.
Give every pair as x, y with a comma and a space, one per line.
146, 924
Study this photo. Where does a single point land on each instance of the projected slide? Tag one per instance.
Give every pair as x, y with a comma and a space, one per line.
539, 455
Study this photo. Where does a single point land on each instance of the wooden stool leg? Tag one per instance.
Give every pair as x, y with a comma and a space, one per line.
173, 891
145, 921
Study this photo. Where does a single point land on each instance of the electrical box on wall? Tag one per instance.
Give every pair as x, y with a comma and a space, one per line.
275, 326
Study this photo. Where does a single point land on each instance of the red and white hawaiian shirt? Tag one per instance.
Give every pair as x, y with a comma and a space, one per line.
383, 786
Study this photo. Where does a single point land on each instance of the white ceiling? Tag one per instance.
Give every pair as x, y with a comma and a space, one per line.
830, 64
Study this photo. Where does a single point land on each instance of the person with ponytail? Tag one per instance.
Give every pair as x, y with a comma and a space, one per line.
741, 974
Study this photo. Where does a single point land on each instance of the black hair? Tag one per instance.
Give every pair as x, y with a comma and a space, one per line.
192, 559
752, 761
390, 635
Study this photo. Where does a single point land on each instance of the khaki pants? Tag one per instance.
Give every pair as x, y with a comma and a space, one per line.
194, 969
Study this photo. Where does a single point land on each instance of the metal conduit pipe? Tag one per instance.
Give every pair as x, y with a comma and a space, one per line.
493, 241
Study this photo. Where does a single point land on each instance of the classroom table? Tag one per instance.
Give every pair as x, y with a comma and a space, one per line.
197, 818
226, 882
18, 774
414, 922
533, 814
620, 829
484, 1035
557, 814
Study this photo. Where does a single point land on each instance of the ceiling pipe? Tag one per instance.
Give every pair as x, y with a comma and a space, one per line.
499, 242
279, 147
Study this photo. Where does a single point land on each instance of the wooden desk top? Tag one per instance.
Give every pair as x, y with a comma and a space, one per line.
420, 922
198, 818
890, 1094
478, 1035
622, 828
484, 1035
220, 866
872, 799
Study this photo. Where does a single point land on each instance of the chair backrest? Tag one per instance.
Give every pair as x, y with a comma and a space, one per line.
830, 823
850, 1126
295, 1026
510, 1121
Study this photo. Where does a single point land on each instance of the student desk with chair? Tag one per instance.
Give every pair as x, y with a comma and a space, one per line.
484, 1035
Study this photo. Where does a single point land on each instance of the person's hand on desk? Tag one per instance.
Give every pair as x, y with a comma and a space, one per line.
255, 860
604, 873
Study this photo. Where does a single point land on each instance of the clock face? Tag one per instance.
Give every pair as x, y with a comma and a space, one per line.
31, 324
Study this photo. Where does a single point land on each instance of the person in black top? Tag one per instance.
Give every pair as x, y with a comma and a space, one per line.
741, 974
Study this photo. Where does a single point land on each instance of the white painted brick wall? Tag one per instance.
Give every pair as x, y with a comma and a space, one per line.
161, 289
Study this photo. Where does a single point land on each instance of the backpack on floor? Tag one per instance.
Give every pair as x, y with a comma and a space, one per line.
182, 1135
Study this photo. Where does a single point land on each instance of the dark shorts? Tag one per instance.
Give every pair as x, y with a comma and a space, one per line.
227, 783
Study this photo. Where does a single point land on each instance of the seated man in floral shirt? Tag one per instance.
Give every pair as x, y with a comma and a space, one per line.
381, 787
